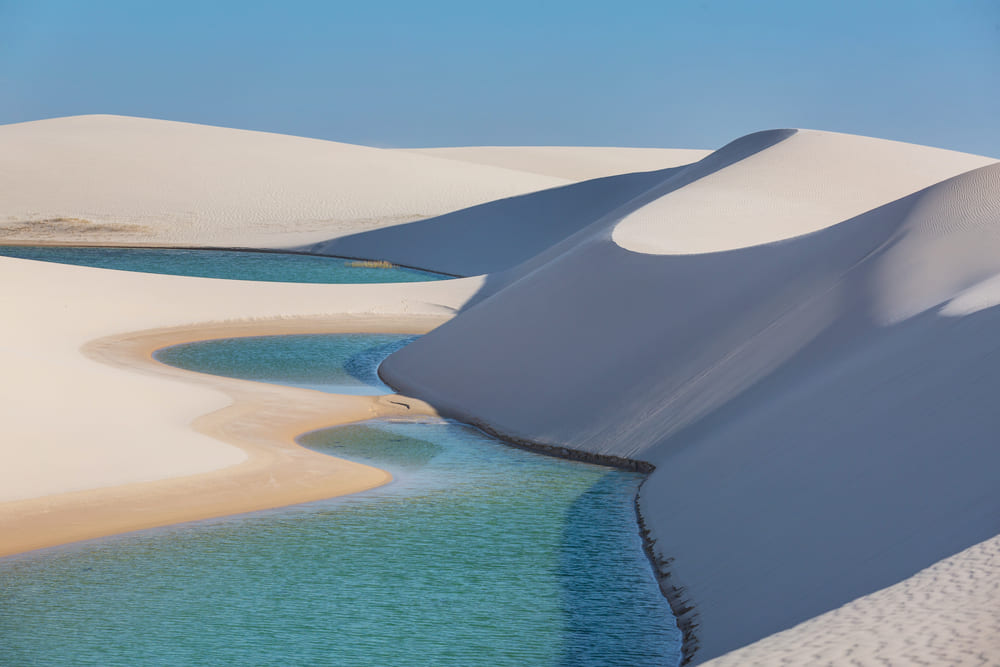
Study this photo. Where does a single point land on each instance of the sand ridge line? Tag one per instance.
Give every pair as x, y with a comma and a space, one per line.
263, 421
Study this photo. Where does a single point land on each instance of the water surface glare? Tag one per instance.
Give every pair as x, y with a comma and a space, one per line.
234, 265
476, 554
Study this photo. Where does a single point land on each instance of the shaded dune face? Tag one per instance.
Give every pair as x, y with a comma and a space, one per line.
820, 424
514, 235
497, 235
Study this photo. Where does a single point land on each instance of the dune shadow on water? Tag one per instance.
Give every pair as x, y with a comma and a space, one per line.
615, 613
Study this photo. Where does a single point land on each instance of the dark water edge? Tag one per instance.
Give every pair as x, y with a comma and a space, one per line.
684, 611
675, 594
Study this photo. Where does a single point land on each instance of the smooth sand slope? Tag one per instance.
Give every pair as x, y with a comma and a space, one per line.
495, 236
492, 237
134, 180
820, 429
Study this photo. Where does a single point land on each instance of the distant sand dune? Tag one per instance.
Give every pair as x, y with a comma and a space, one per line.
151, 181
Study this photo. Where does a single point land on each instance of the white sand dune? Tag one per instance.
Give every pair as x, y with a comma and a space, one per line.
496, 236
819, 431
802, 183
799, 330
135, 180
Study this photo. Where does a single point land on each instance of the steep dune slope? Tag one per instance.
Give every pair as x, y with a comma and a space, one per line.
588, 296
137, 180
498, 235
819, 431
512, 237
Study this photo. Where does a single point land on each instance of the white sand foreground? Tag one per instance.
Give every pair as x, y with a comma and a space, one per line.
944, 615
799, 330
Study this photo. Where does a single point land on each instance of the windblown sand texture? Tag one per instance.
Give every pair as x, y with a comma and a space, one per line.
944, 615
799, 330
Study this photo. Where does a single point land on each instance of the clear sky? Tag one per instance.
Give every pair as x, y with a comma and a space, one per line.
691, 73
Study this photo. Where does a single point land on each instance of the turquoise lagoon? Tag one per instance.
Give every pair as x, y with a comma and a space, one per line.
476, 554
236, 265
339, 364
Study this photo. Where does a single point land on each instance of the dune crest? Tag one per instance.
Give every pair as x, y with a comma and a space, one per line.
806, 182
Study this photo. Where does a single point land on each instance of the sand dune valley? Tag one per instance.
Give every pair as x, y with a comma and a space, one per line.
794, 338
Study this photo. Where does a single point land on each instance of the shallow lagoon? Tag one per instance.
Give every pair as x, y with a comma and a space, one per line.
339, 364
476, 553
235, 265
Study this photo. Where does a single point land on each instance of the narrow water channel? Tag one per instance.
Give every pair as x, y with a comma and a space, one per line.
476, 554
231, 264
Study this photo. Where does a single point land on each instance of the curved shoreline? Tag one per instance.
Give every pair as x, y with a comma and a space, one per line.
263, 421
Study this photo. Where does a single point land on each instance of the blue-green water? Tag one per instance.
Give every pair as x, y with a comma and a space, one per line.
340, 364
476, 554
234, 265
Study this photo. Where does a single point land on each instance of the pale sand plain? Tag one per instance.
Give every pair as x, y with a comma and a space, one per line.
722, 286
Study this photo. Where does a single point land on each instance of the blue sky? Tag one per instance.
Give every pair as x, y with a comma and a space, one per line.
693, 74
